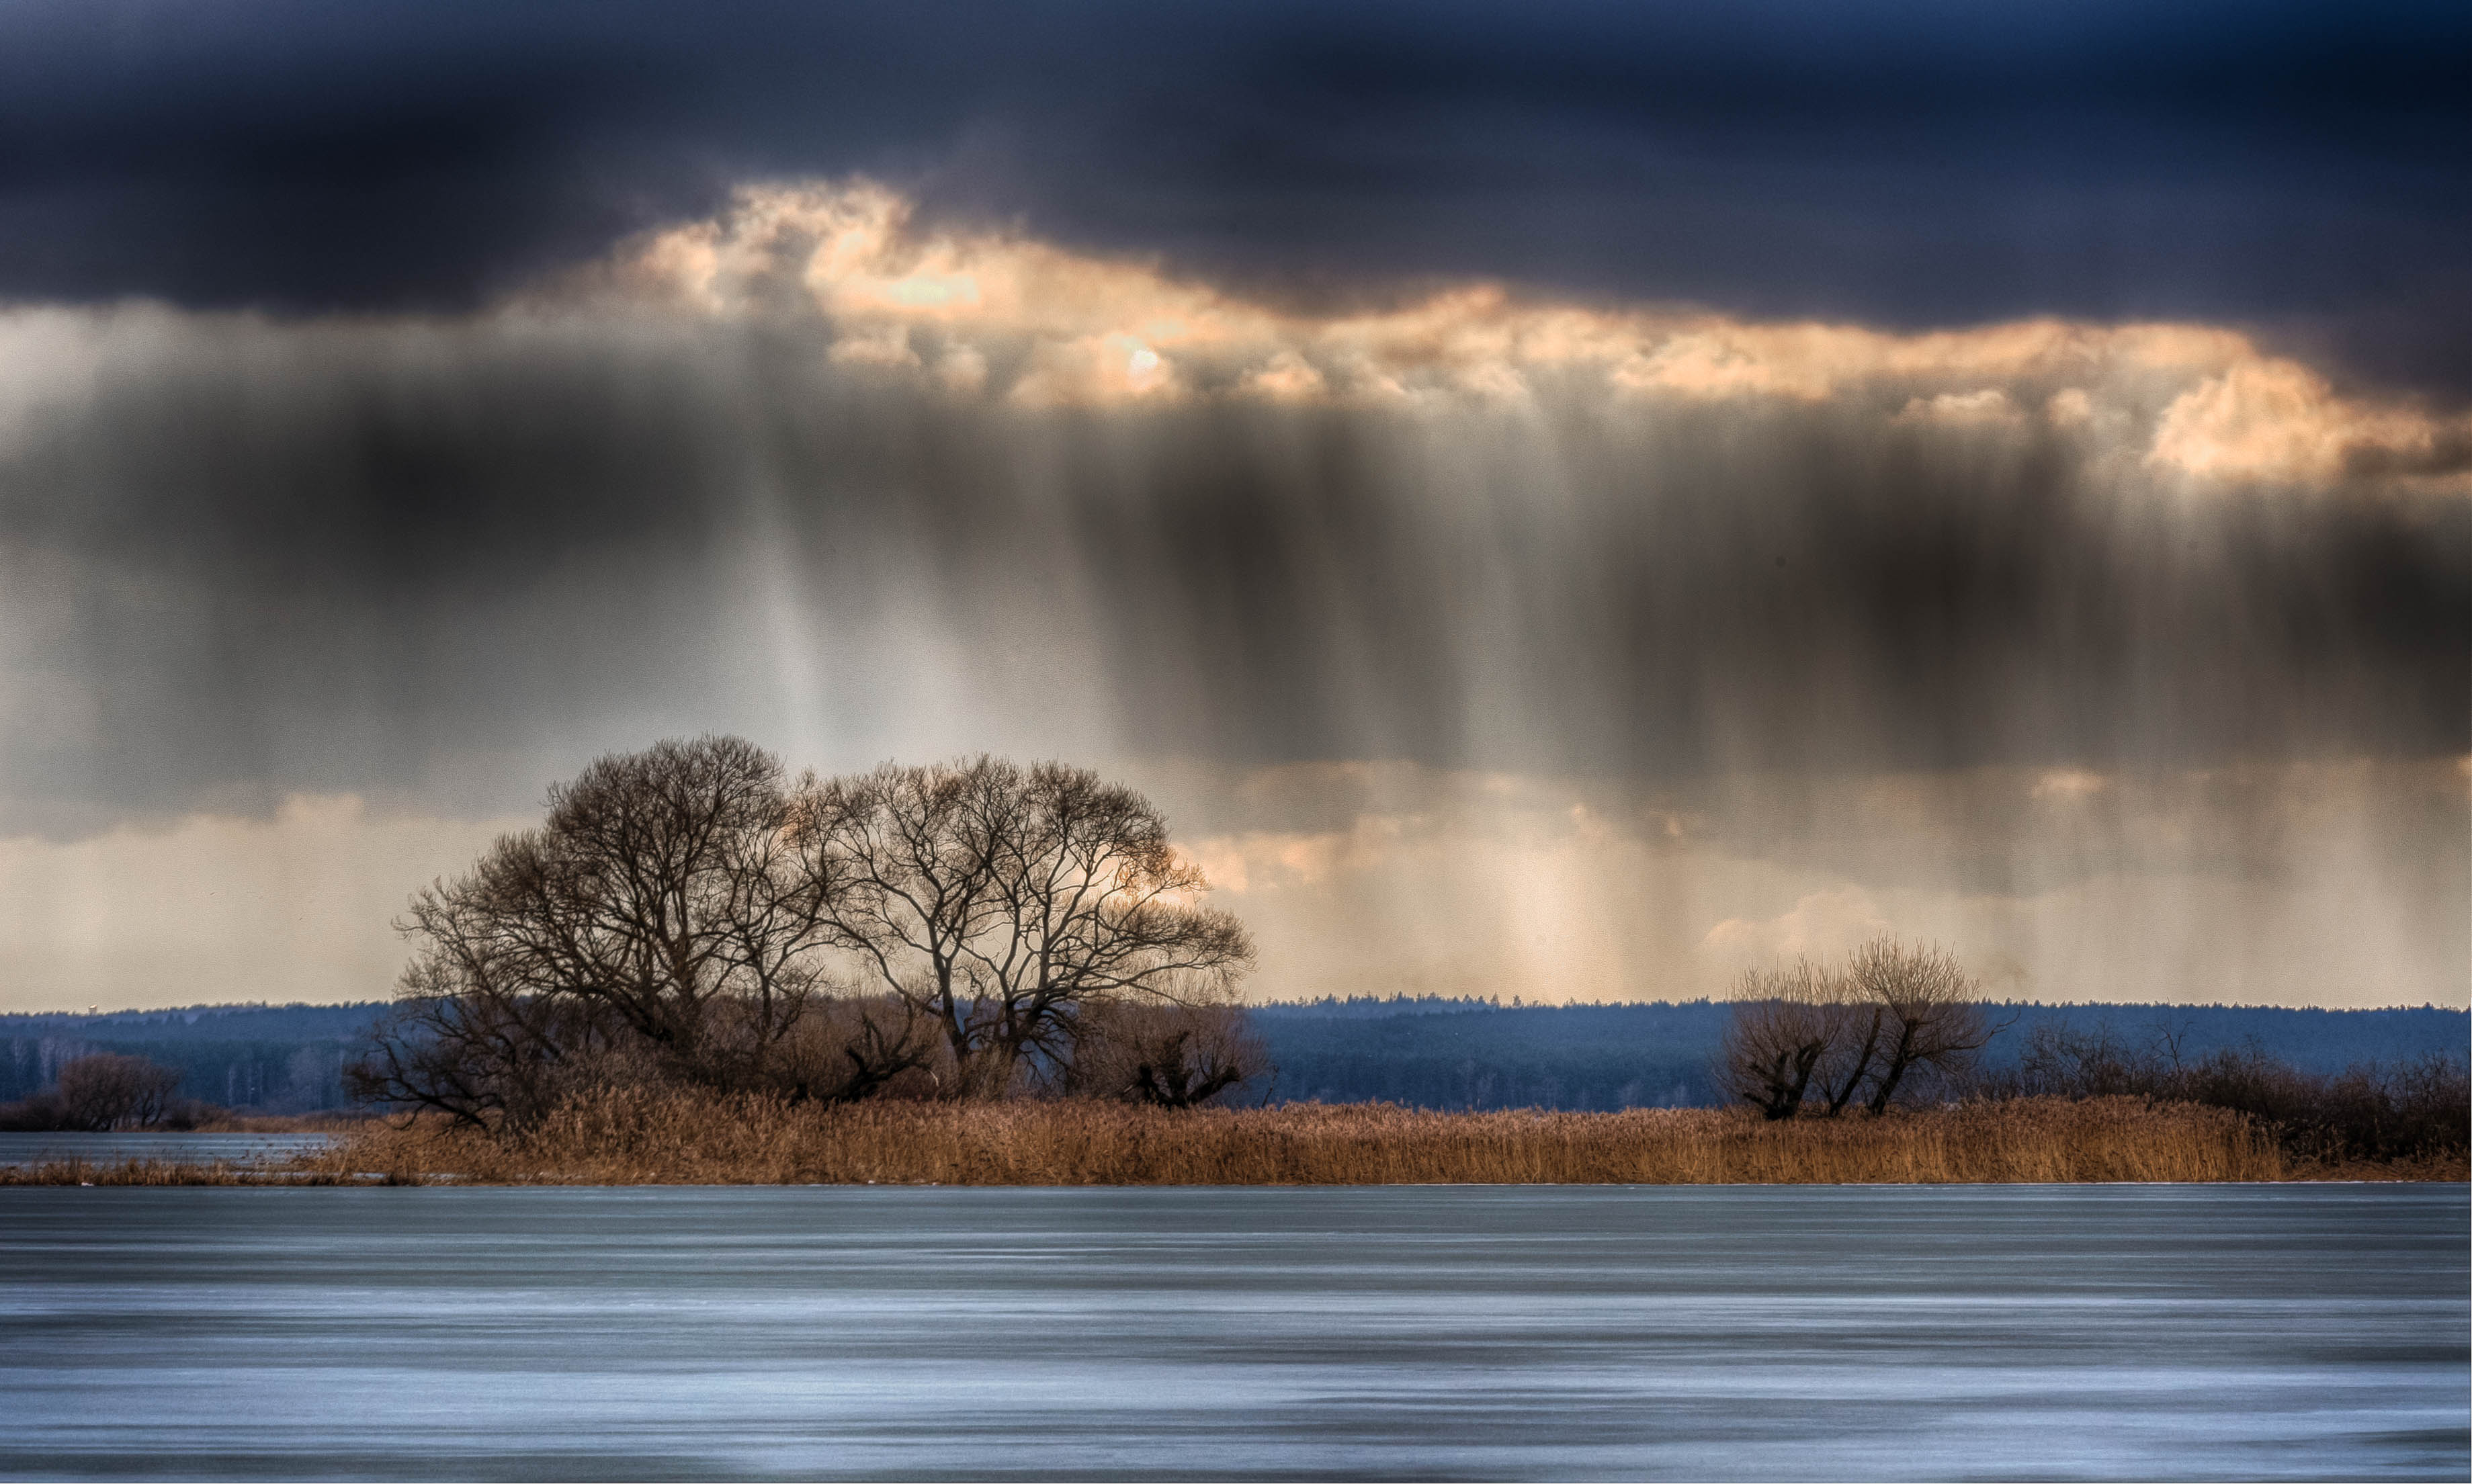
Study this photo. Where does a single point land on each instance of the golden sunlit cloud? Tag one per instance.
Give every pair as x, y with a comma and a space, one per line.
999, 313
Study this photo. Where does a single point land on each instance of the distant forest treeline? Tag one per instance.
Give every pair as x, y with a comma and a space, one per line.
1423, 1052
253, 1058
1461, 1053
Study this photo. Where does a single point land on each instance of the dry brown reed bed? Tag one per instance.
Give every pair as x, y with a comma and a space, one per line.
636, 1138
165, 1172
2434, 1169
328, 1123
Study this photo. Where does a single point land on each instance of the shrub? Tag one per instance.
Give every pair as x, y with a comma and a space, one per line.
2414, 1109
108, 1090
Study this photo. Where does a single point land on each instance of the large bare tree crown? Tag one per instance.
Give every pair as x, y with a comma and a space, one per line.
690, 908
1003, 900
655, 906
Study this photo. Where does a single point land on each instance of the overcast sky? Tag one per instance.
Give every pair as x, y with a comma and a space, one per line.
1559, 500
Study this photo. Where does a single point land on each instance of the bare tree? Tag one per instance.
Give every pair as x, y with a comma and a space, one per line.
1165, 1055
655, 888
1001, 901
2060, 1060
1867, 1031
466, 1036
1856, 1028
1784, 1025
685, 914
106, 1090
659, 918
851, 1047
1930, 1013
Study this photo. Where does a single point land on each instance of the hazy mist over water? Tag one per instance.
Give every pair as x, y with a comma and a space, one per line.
2150, 1333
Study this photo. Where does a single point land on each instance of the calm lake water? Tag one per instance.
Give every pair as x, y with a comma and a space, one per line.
2173, 1332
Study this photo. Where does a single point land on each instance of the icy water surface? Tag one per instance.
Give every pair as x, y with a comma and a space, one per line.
26, 1149
2172, 1331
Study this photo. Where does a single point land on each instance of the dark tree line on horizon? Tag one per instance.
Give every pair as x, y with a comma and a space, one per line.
1422, 1051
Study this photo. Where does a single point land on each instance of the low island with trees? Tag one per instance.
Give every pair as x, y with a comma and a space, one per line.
700, 968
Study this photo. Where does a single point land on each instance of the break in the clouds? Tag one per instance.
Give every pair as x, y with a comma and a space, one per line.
1477, 640
2297, 165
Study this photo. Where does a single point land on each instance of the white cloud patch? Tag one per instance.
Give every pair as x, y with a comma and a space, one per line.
1824, 925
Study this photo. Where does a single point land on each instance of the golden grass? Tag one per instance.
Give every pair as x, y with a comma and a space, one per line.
2453, 1167
655, 1138
330, 1122
643, 1137
81, 1171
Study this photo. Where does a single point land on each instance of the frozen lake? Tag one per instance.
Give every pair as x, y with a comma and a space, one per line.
24, 1149
2173, 1332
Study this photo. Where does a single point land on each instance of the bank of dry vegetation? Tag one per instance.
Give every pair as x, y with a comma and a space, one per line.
640, 1138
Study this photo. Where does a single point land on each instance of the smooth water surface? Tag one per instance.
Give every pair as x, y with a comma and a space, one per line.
2171, 1332
28, 1149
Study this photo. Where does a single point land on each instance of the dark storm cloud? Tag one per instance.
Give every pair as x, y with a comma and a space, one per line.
2299, 166
330, 556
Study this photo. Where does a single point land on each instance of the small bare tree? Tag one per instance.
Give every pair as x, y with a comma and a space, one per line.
106, 1090
851, 1047
1785, 1024
1165, 1055
2060, 1060
467, 1038
1929, 1013
1855, 1030
1001, 901
1868, 1031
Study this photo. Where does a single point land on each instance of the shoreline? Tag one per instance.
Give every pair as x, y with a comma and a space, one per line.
638, 1138
167, 1175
